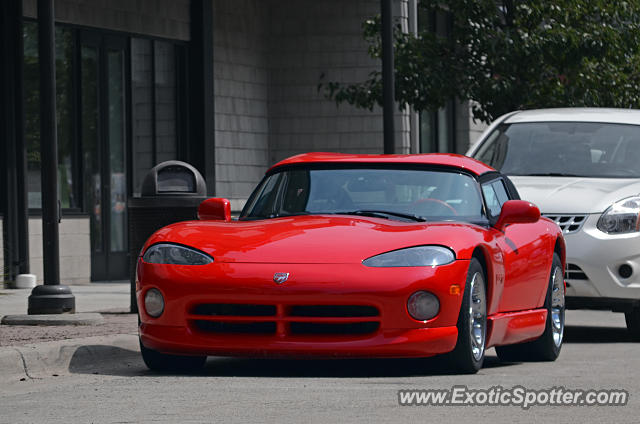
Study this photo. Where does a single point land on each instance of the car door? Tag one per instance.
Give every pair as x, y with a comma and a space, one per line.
524, 252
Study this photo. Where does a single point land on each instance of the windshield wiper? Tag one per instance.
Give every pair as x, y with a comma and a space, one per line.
384, 214
271, 216
281, 215
373, 213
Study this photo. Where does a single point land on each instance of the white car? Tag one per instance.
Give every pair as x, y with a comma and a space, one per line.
581, 167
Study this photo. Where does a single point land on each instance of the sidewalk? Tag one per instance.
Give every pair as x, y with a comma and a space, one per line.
29, 351
94, 297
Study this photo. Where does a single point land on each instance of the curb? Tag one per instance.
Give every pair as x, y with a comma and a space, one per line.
85, 355
82, 318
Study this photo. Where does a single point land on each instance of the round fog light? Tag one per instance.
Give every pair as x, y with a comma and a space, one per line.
423, 305
625, 271
154, 303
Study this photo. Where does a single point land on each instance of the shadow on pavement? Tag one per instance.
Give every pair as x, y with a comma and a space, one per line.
115, 361
332, 368
583, 334
106, 360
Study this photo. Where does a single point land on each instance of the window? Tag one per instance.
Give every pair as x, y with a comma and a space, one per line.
588, 149
156, 105
437, 195
142, 108
495, 195
437, 129
68, 186
158, 112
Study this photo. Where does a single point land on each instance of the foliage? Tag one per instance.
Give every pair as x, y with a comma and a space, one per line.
510, 55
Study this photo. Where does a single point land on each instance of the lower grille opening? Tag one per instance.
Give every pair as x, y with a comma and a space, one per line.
574, 272
300, 328
333, 311
284, 320
236, 327
235, 310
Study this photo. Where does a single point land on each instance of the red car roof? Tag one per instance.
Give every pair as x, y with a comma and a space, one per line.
445, 159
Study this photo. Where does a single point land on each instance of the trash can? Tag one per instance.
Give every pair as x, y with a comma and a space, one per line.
171, 192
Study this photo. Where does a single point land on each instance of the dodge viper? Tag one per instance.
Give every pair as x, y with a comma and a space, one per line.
338, 255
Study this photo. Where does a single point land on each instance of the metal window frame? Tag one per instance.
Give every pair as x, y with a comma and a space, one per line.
182, 85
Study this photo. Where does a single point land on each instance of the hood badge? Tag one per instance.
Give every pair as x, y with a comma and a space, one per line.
280, 277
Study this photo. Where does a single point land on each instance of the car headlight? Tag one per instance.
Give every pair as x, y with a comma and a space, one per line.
412, 256
175, 254
621, 217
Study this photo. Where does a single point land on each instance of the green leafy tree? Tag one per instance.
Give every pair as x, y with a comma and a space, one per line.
508, 55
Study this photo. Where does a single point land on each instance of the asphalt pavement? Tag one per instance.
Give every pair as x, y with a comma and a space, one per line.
103, 379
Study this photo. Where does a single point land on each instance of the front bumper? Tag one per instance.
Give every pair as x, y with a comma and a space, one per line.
598, 257
390, 343
184, 328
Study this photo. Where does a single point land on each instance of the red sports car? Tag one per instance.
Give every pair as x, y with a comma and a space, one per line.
339, 255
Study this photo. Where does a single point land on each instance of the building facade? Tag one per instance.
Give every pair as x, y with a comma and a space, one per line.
230, 86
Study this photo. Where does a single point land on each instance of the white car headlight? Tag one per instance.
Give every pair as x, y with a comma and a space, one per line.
621, 217
175, 254
412, 256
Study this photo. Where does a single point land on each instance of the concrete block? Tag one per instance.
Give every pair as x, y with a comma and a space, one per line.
143, 16
75, 245
75, 225
75, 267
224, 155
35, 226
242, 189
35, 246
36, 268
223, 189
237, 204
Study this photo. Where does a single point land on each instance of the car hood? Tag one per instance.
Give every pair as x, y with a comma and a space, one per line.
316, 239
569, 195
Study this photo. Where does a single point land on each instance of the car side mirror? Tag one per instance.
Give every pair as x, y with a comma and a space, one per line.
517, 212
215, 208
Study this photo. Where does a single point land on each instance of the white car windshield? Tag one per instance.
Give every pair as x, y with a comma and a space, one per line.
583, 149
399, 194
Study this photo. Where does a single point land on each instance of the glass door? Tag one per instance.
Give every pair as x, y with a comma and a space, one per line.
103, 140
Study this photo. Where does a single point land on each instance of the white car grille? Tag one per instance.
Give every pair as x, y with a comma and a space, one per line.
568, 223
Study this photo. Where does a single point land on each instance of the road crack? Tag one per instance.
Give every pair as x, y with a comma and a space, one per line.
25, 367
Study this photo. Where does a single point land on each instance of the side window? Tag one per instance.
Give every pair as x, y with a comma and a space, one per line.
495, 195
501, 192
493, 205
264, 201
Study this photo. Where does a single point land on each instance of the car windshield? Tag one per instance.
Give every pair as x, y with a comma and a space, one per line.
399, 194
582, 149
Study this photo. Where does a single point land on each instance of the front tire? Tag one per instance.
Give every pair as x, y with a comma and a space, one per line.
546, 347
468, 355
163, 362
